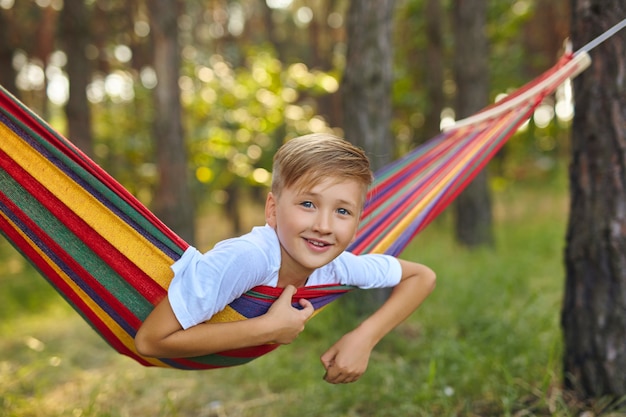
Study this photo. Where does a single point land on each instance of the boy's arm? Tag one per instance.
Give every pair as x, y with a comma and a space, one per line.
347, 359
162, 336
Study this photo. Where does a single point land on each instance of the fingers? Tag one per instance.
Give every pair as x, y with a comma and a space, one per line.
335, 376
341, 368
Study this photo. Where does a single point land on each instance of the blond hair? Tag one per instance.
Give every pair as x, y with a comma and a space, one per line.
307, 160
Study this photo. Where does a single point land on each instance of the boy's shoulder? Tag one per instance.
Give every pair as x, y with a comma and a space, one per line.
259, 247
262, 237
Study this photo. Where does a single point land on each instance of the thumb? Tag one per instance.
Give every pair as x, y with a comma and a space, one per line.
307, 307
287, 294
328, 358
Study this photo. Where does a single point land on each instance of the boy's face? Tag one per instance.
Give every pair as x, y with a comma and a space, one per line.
314, 226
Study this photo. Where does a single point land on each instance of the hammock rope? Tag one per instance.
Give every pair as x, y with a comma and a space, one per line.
110, 257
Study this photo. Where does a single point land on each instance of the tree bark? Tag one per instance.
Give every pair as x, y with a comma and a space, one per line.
367, 80
594, 307
173, 203
75, 35
473, 216
7, 48
434, 67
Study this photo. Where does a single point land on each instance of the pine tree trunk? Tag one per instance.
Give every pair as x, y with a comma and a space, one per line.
471, 53
366, 85
594, 308
7, 48
173, 203
434, 67
74, 32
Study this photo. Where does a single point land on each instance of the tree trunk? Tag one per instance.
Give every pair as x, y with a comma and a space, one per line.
173, 202
7, 72
594, 306
471, 59
366, 95
434, 67
74, 33
366, 84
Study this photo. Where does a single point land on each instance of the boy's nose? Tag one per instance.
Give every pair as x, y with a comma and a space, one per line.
323, 223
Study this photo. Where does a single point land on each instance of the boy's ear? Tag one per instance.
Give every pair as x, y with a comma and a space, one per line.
270, 210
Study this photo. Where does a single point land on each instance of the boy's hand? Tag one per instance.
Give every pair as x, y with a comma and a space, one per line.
347, 359
286, 320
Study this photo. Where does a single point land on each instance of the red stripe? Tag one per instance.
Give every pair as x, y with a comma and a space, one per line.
251, 352
302, 292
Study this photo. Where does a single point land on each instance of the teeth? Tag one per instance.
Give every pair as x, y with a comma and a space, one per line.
316, 243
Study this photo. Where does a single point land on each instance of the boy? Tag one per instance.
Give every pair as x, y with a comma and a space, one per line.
312, 212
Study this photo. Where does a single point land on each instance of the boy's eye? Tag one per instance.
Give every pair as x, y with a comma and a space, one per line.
306, 204
343, 212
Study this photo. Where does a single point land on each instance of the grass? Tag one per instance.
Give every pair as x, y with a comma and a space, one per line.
486, 343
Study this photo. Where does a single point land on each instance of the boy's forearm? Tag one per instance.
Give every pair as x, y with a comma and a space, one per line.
404, 299
161, 334
207, 338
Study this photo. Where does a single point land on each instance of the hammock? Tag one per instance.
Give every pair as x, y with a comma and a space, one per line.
110, 257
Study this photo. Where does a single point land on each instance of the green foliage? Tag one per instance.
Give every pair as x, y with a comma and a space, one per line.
236, 118
124, 144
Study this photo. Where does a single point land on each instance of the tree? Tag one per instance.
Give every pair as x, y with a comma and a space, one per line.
74, 34
7, 72
366, 84
173, 203
594, 308
473, 205
434, 66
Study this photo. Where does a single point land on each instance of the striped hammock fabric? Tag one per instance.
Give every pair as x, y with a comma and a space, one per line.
110, 257
411, 191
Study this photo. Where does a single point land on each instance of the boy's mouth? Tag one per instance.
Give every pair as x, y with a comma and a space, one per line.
317, 243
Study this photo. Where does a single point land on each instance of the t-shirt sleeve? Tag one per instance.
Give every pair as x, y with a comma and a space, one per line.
367, 271
204, 284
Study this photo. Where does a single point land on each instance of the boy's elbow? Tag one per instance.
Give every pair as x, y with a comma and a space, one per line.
143, 344
429, 278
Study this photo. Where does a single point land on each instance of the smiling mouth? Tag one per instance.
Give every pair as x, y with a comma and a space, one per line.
317, 243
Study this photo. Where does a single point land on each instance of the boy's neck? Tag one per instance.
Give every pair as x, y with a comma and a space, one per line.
285, 279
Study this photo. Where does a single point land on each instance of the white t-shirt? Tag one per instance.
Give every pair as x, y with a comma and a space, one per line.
204, 284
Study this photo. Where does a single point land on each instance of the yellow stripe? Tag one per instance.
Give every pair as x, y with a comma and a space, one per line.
114, 230
227, 315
